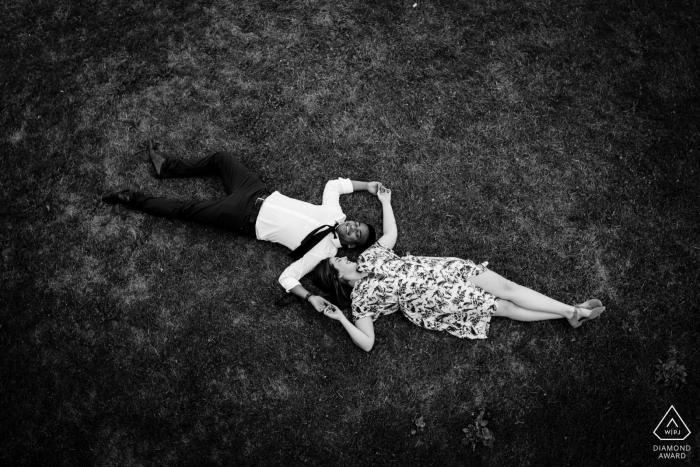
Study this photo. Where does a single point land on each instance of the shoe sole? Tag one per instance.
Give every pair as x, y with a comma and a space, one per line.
150, 146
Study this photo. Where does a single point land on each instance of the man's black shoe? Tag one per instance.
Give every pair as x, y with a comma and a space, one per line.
118, 197
156, 159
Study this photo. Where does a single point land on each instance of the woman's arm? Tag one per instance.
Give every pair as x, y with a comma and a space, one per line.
361, 333
389, 227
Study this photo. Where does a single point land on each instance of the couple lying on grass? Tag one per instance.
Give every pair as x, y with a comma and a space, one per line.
442, 294
446, 294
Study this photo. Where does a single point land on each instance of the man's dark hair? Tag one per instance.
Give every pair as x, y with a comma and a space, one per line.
371, 237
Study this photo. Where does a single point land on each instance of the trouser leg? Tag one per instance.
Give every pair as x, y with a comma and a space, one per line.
231, 212
236, 177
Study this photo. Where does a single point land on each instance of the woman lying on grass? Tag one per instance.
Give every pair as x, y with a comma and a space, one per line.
444, 294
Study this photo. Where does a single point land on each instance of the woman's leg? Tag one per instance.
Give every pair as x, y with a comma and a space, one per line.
526, 299
508, 309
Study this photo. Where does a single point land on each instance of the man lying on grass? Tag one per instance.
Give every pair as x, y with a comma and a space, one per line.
313, 232
443, 294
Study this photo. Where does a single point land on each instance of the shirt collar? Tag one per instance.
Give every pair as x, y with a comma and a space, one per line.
336, 242
334, 239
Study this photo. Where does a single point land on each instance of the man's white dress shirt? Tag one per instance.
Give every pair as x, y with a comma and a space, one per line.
287, 221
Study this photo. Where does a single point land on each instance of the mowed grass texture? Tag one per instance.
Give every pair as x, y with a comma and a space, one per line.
558, 141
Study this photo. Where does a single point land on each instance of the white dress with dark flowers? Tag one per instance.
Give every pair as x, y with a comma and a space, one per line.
432, 292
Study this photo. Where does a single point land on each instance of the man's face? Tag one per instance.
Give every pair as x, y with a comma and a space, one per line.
351, 233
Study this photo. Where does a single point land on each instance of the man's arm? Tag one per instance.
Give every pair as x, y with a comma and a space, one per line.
372, 187
290, 277
318, 302
343, 186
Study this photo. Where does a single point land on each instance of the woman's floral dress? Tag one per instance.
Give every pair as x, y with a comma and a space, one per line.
431, 292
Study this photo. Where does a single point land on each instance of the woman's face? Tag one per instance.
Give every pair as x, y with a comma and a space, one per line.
344, 266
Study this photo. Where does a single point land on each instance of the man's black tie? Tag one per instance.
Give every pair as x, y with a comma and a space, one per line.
311, 240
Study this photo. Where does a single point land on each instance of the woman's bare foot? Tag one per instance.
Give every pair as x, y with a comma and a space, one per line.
574, 321
586, 311
591, 304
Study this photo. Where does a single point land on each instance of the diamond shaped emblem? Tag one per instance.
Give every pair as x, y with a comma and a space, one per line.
672, 427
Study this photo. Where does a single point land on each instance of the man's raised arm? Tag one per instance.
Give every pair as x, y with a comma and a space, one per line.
343, 186
372, 187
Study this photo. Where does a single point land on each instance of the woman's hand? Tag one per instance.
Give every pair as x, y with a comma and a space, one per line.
361, 333
333, 312
384, 194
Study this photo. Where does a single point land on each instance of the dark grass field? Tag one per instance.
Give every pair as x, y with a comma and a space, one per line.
557, 140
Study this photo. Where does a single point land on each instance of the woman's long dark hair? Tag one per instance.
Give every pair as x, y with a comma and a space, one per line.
326, 278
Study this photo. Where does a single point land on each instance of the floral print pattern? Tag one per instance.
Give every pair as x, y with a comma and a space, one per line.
432, 292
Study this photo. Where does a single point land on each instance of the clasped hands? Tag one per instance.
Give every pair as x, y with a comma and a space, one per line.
378, 189
322, 305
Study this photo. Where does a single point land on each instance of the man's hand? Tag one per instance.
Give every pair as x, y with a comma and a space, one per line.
373, 187
319, 303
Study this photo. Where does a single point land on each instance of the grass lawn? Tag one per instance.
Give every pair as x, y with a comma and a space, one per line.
556, 140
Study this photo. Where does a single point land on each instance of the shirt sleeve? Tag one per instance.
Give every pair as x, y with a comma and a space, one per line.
361, 310
372, 259
291, 276
373, 298
335, 188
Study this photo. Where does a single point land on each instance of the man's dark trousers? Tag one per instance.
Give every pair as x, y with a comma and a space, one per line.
231, 212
